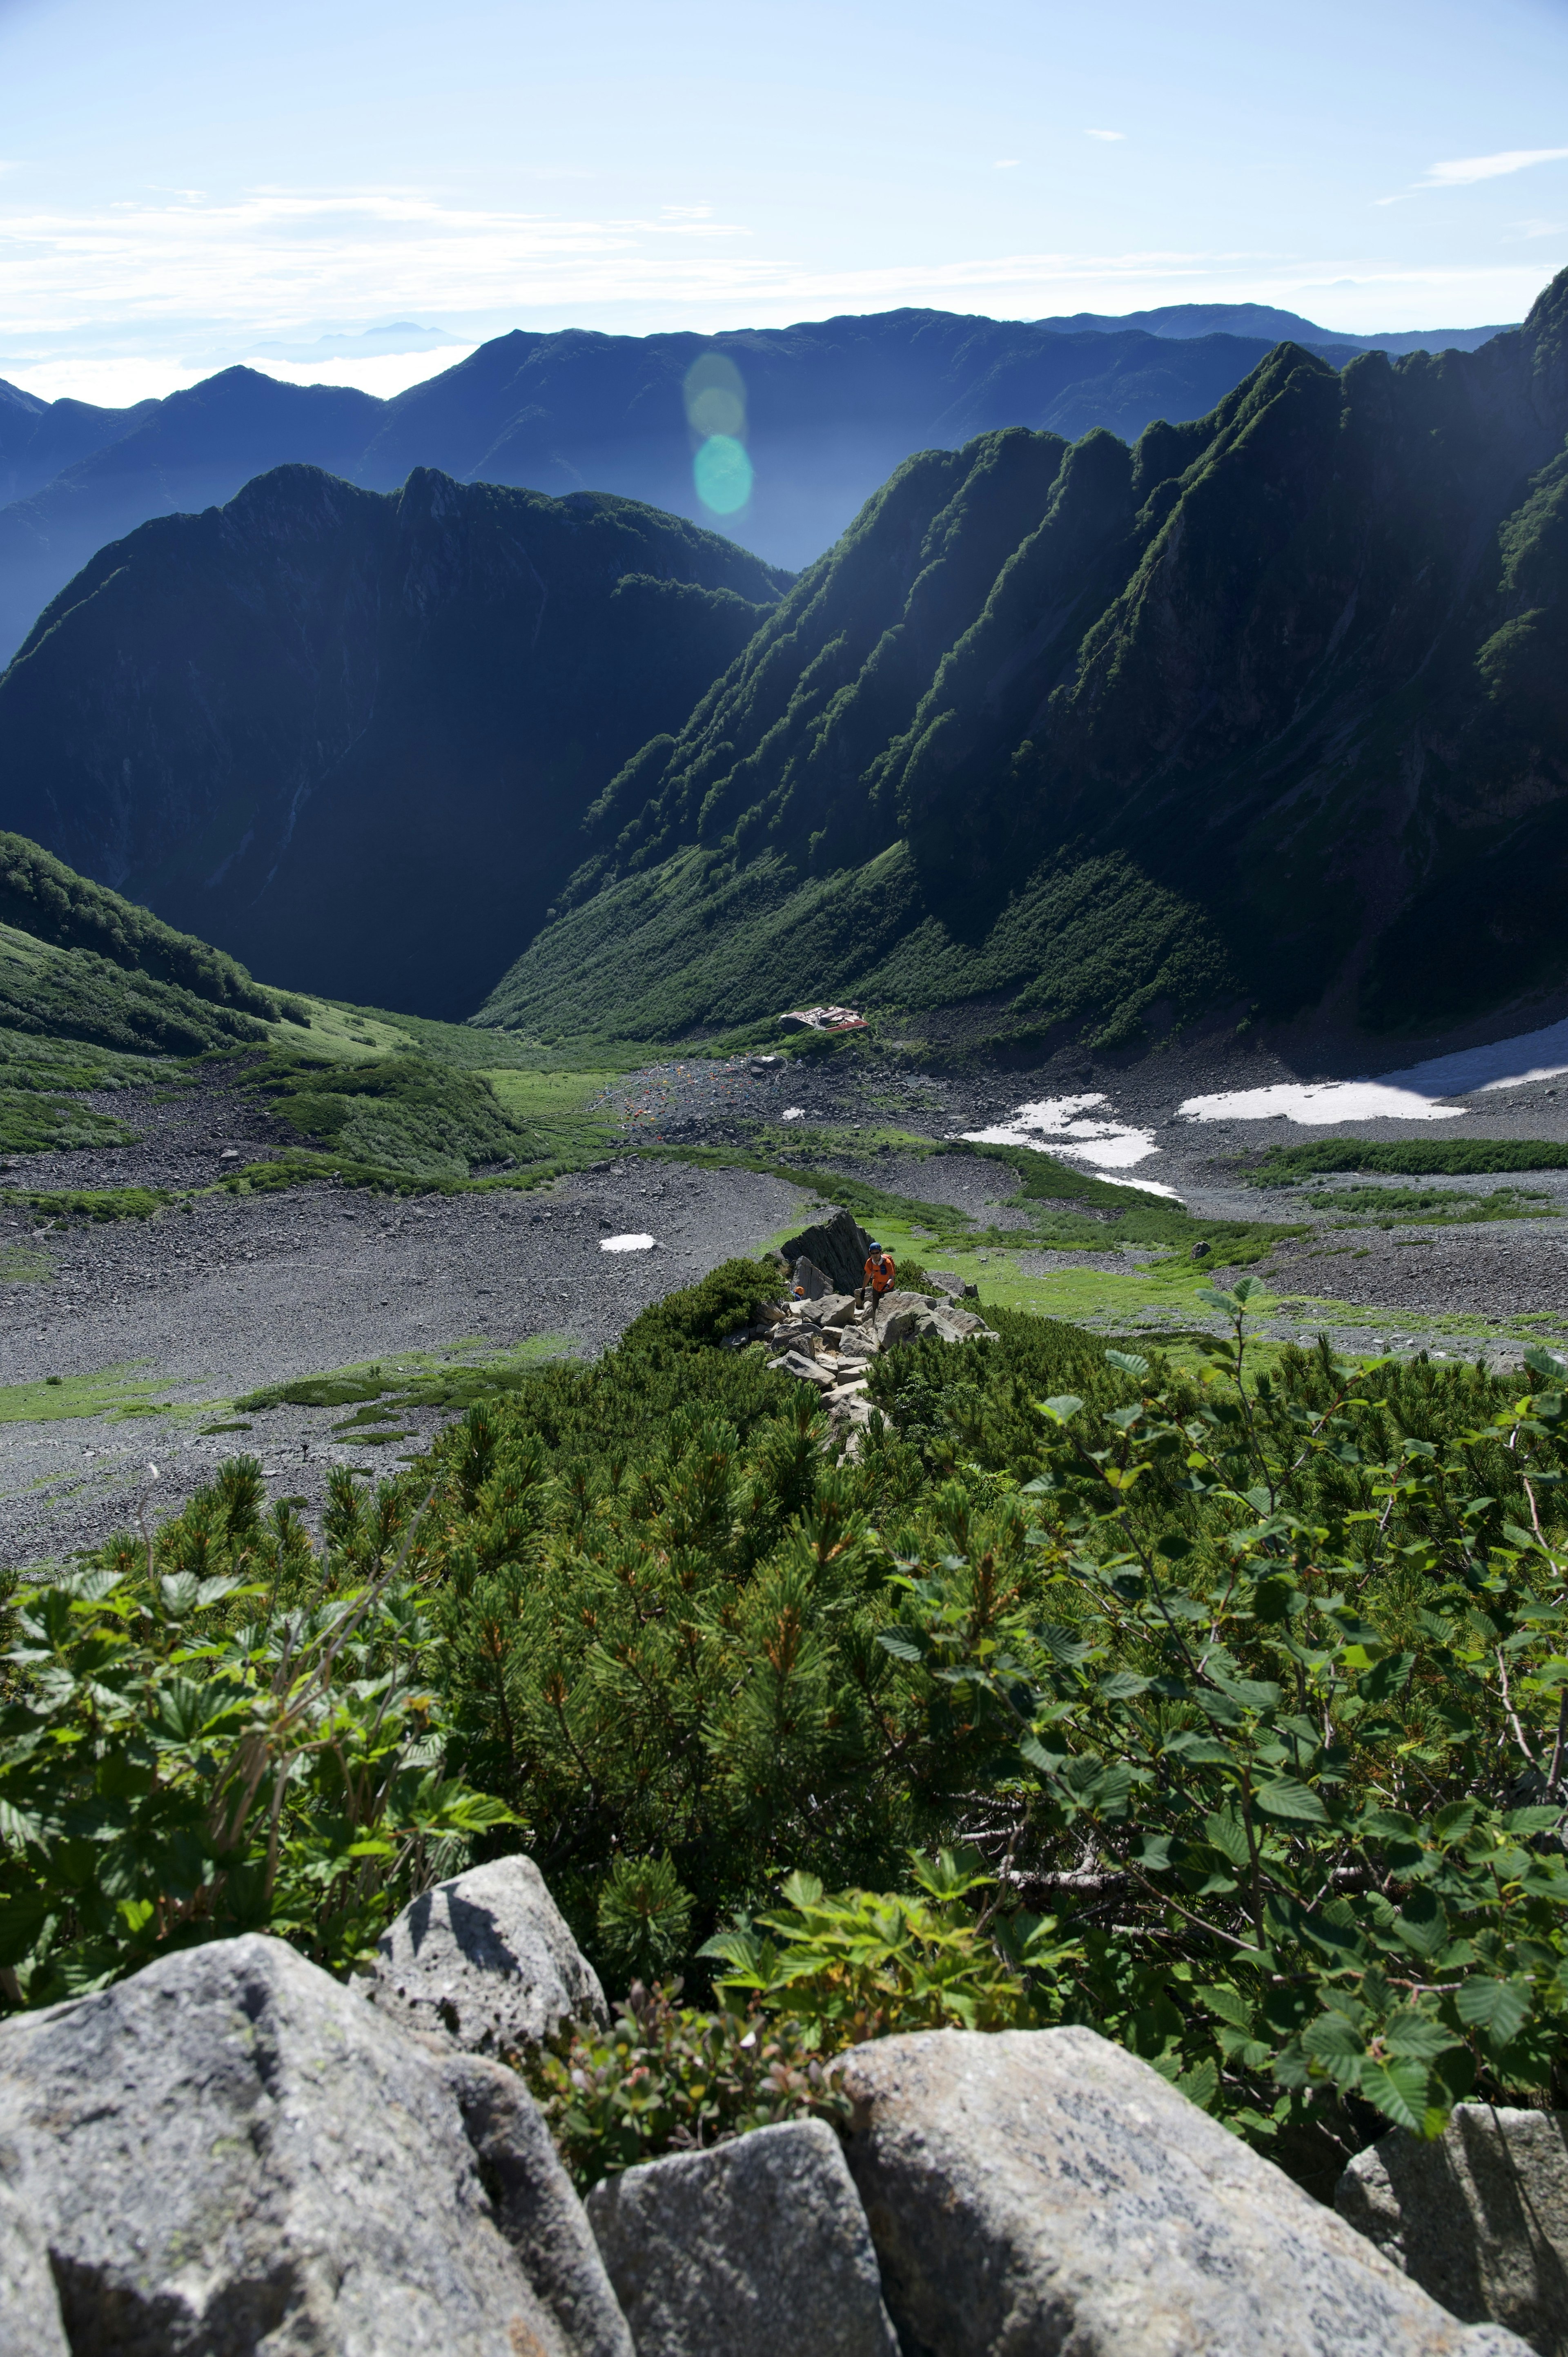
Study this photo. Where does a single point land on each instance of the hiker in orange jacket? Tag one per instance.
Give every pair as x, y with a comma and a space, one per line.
880, 1271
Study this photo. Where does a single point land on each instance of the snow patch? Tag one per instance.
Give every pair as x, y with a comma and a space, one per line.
1065, 1127
627, 1243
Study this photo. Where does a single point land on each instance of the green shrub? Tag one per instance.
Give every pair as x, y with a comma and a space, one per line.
671, 2079
861, 1964
701, 1315
1300, 1705
201, 1738
1408, 1157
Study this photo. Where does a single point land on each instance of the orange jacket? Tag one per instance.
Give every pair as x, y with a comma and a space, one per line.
880, 1271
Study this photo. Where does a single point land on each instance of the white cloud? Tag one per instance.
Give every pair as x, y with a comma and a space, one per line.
1464, 170
1105, 134
1006, 164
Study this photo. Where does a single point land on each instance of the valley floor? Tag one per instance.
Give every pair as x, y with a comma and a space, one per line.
127, 1343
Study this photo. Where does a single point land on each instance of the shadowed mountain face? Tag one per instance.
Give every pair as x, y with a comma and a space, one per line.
830, 409
1268, 709
350, 735
192, 451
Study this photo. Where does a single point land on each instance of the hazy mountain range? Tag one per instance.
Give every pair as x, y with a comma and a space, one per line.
827, 411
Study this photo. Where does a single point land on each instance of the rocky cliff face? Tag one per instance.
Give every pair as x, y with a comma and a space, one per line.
349, 737
1277, 693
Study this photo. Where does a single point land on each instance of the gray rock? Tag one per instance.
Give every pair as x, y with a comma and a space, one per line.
959, 1287
838, 1247
535, 2206
231, 2153
759, 2248
805, 1370
897, 1326
815, 1283
487, 1958
30, 2322
830, 1309
1038, 2191
1480, 2218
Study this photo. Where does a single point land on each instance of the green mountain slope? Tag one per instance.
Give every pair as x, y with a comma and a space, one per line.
349, 734
1269, 708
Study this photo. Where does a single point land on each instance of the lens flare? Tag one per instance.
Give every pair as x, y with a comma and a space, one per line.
723, 474
714, 395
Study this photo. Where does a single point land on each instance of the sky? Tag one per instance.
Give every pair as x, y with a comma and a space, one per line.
352, 193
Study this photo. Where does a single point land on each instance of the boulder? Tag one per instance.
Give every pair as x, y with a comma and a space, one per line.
1479, 2217
896, 1326
534, 2204
804, 1370
829, 1311
957, 1288
1030, 2190
759, 2248
30, 2322
231, 2153
811, 1282
837, 1246
486, 1959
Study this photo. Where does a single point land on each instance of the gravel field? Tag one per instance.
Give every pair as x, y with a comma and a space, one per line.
238, 1293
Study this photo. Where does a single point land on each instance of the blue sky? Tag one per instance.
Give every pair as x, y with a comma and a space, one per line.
183, 185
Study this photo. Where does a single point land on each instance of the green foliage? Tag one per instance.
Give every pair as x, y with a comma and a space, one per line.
41, 896
1246, 1711
673, 2079
723, 1302
91, 1203
645, 1917
864, 1964
1298, 1700
1407, 1157
1433, 1207
402, 1113
210, 1733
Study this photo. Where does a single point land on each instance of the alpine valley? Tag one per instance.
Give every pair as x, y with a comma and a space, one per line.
1260, 716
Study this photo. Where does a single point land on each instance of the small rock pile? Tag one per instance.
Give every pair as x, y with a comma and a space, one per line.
830, 1328
231, 2154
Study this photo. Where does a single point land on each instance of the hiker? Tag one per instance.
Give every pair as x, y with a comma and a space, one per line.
880, 1271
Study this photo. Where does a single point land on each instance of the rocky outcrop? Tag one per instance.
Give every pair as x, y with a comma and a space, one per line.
838, 1247
829, 1340
1478, 2218
230, 2153
759, 2248
1043, 2189
485, 1959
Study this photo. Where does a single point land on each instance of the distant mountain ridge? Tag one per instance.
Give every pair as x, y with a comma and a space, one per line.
833, 406
1267, 711
350, 735
1275, 327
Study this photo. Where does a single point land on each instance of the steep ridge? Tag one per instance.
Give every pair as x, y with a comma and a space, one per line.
79, 963
832, 408
1268, 709
348, 735
191, 451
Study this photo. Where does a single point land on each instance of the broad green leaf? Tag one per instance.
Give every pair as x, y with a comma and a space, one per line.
1399, 2088
1229, 1835
1286, 1798
1500, 2008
